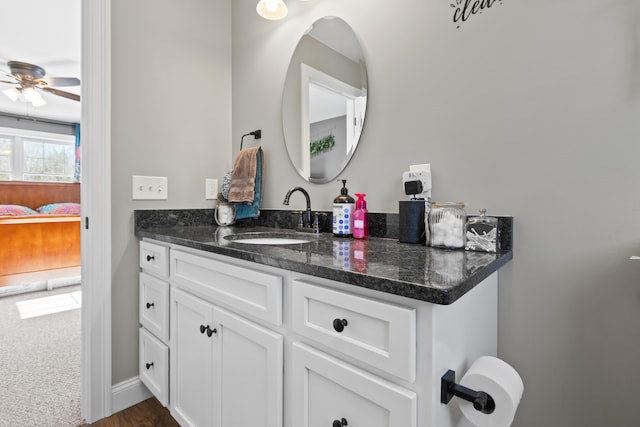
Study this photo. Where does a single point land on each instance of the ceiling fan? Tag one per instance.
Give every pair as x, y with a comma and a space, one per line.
29, 78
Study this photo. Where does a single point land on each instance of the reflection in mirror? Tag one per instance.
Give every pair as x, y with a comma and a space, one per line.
324, 100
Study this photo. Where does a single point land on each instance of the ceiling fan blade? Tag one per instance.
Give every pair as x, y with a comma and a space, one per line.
11, 76
62, 93
7, 81
60, 81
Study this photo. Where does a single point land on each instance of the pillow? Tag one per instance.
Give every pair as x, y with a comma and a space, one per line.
60, 209
16, 210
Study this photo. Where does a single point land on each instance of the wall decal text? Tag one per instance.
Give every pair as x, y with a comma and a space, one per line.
465, 9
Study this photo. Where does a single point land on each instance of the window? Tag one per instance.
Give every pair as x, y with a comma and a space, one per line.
36, 156
6, 157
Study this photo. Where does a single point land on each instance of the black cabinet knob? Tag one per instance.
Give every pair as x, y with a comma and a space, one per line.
149, 365
339, 324
149, 257
208, 330
150, 304
339, 423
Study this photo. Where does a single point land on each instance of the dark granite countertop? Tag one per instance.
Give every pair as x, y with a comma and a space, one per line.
438, 276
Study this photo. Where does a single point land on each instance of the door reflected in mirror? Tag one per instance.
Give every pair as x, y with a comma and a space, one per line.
324, 100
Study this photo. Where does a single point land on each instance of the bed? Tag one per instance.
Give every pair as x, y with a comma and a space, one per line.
45, 234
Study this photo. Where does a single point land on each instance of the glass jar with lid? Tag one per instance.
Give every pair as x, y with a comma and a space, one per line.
482, 233
447, 225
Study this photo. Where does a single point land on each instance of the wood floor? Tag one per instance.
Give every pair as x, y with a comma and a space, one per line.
148, 413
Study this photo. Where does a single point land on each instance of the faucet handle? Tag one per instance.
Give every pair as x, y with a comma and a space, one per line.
316, 219
300, 220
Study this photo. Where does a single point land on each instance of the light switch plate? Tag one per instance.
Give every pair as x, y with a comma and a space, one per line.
211, 189
150, 187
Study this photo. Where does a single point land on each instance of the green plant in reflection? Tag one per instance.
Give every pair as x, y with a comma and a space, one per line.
322, 145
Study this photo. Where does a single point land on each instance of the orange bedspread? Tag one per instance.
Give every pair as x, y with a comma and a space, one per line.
42, 242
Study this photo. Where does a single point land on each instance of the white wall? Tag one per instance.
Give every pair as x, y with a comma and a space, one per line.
171, 116
530, 109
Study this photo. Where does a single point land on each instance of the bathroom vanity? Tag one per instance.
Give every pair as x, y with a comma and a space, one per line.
330, 332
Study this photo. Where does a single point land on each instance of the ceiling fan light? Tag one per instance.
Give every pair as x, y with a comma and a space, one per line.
33, 96
13, 93
30, 94
38, 102
272, 9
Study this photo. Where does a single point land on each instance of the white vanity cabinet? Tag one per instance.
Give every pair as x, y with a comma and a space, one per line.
376, 359
253, 345
328, 391
226, 370
154, 319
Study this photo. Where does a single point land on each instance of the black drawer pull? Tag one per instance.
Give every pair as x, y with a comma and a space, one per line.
208, 330
149, 365
338, 325
150, 304
149, 257
339, 423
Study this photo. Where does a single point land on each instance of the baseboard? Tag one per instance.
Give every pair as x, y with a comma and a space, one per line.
128, 393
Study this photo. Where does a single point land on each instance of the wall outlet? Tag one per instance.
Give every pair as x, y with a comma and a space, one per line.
420, 173
211, 189
150, 187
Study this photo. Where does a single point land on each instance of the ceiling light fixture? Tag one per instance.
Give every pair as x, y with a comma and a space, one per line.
272, 9
33, 96
13, 93
38, 101
30, 94
25, 94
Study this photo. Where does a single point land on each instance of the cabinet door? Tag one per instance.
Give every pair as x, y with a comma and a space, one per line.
248, 370
191, 379
327, 390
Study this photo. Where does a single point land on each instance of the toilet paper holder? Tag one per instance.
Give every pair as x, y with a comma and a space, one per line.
482, 401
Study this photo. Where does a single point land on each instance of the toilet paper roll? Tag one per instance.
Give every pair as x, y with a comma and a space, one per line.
497, 378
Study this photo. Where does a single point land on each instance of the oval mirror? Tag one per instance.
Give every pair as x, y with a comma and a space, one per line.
324, 100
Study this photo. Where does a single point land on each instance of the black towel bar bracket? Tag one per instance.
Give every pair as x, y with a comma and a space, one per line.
482, 401
257, 134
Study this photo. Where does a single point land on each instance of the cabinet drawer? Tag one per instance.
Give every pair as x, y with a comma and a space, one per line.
327, 389
154, 259
244, 290
154, 366
154, 306
375, 332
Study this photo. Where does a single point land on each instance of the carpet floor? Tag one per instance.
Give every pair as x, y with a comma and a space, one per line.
40, 362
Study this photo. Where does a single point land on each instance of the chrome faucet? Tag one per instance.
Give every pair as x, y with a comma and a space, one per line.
308, 227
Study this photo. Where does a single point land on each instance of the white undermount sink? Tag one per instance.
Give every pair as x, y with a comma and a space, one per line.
266, 239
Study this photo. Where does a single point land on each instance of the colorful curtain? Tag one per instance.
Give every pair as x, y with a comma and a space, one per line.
76, 175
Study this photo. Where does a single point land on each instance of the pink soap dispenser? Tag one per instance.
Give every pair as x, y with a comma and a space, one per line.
361, 218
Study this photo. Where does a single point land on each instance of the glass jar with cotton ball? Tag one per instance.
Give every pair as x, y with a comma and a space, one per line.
447, 225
